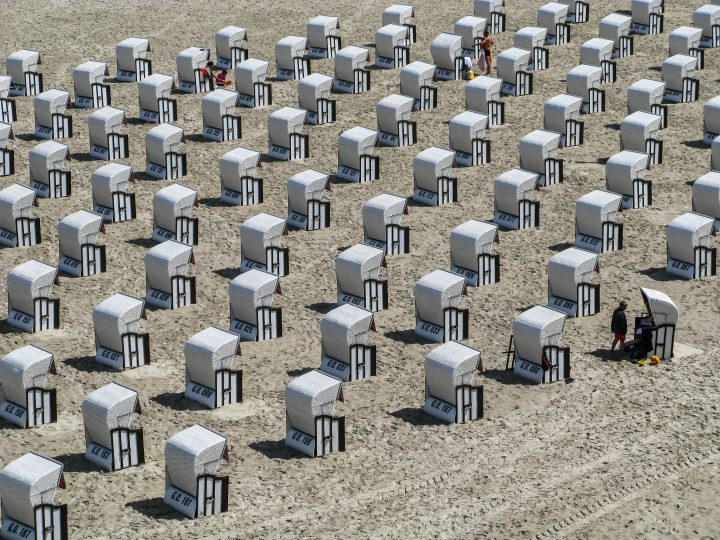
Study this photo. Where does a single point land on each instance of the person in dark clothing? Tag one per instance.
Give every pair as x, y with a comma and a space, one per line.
618, 326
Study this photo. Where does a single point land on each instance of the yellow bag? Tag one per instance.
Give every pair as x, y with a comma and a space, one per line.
471, 75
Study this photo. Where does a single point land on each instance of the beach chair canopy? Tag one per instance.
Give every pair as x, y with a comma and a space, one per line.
259, 232
249, 291
115, 316
308, 396
48, 103
22, 369
432, 163
414, 76
354, 143
312, 88
348, 59
559, 109
130, 49
685, 233
568, 269
109, 179
228, 38
45, 157
208, 351
466, 127
677, 68
536, 147
470, 28
76, 229
388, 37
152, 88
216, 104
484, 8
28, 281
513, 186
481, 90
162, 139
595, 208
581, 79
705, 17
16, 201
445, 48
643, 94
103, 122
684, 38
20, 62
172, 202
239, 162
530, 37
248, 72
661, 308
283, 122
319, 28
535, 329
391, 109
380, 211
343, 327
193, 452
706, 194
510, 61
29, 481
288, 48
356, 265
87, 74
398, 14
470, 240
448, 366
303, 187
641, 10
596, 50
638, 127
614, 26
435, 292
190, 59
108, 408
551, 14
164, 261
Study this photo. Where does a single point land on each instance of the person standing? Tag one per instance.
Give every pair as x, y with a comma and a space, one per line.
486, 46
618, 326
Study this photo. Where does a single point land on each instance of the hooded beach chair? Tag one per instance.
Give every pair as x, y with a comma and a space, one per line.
22, 67
28, 486
51, 118
616, 27
640, 132
391, 47
449, 391
286, 140
30, 307
230, 47
49, 176
220, 122
91, 90
110, 196
28, 401
471, 252
314, 93
393, 120
306, 209
570, 286
133, 64
561, 114
168, 285
358, 272
437, 315
625, 175
172, 214
260, 245
291, 58
688, 253
80, 255
240, 183
416, 81
432, 183
646, 95
538, 154
515, 204
192, 460
382, 216
535, 353
156, 104
17, 227
110, 442
482, 95
251, 83
345, 354
209, 377
192, 68
356, 162
163, 158
119, 344
446, 53
322, 38
491, 10
106, 140
311, 427
252, 315
352, 75
596, 225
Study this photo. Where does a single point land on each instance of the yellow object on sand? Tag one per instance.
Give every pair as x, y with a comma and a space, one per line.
642, 362
655, 359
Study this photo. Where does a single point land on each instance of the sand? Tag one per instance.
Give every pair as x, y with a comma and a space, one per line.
623, 451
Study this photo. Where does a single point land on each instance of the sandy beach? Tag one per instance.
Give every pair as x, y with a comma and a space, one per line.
622, 452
